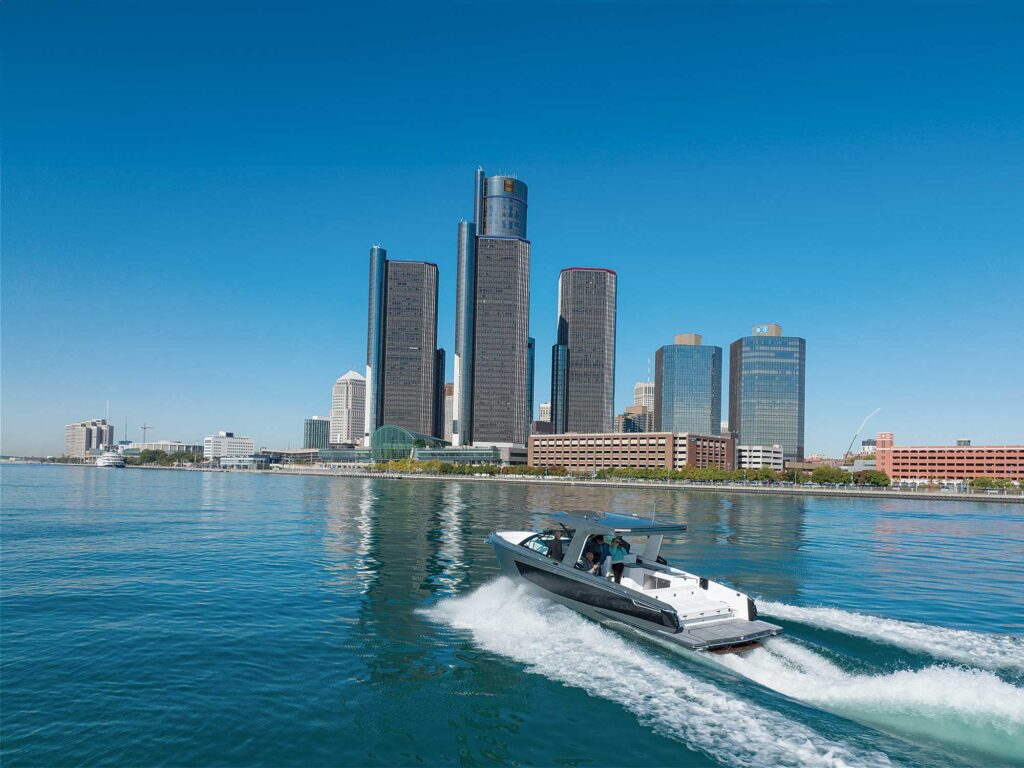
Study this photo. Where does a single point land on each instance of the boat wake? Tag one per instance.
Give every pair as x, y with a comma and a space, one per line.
969, 709
561, 645
977, 649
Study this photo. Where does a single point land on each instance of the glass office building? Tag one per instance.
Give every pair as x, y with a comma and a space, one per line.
688, 387
767, 374
401, 354
492, 308
584, 387
316, 433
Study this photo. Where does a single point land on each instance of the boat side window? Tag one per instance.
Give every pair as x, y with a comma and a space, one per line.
538, 542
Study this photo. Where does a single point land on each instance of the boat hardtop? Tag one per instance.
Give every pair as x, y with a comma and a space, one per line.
652, 596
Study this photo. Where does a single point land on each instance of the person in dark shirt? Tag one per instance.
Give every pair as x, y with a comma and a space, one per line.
599, 547
555, 551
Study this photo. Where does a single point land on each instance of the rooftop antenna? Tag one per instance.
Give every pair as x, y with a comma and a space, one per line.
108, 412
648, 367
144, 427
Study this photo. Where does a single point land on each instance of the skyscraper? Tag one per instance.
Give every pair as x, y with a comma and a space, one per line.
767, 374
584, 401
688, 387
316, 433
531, 356
449, 399
492, 316
438, 430
348, 409
643, 393
401, 344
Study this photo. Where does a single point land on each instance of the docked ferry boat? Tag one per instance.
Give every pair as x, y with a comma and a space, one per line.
653, 597
110, 459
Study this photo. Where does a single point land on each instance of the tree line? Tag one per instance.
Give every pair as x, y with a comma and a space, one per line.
820, 475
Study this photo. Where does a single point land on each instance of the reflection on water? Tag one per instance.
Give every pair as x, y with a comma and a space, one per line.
271, 620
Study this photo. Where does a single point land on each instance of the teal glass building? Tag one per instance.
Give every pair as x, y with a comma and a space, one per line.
688, 387
767, 375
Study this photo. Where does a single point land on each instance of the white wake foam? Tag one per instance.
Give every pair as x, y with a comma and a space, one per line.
560, 645
988, 651
971, 709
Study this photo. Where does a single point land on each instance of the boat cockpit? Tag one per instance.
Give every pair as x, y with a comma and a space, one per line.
645, 569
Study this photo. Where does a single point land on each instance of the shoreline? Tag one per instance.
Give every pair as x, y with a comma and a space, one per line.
721, 488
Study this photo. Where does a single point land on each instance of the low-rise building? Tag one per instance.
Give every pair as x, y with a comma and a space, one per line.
644, 450
290, 455
167, 446
243, 462
757, 456
227, 445
962, 461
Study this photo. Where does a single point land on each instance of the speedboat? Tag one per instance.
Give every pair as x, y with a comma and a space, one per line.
653, 597
110, 459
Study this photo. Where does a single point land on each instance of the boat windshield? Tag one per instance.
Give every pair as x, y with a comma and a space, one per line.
541, 542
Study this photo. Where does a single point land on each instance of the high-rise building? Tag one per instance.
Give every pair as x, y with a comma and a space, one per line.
348, 409
492, 316
438, 431
688, 386
583, 386
401, 348
643, 394
767, 374
531, 356
84, 436
316, 433
545, 412
449, 398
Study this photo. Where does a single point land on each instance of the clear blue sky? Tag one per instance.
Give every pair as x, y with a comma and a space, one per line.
190, 191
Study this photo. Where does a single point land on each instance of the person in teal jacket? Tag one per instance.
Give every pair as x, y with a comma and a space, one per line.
617, 550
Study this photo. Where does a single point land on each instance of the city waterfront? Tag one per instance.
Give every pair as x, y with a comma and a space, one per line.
232, 618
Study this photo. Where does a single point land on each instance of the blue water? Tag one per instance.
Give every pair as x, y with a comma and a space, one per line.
186, 618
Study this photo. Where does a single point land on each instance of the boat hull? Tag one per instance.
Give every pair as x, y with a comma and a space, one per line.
609, 603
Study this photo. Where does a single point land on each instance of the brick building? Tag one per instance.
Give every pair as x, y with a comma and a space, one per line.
641, 450
948, 462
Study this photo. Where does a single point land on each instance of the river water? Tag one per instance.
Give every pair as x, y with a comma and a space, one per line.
188, 618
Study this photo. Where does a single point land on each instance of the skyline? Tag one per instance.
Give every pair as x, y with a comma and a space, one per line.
874, 168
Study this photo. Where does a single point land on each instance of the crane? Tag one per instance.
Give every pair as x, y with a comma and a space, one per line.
859, 429
145, 427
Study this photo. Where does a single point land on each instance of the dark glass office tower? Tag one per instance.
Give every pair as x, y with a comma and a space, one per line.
438, 430
492, 308
401, 346
766, 390
531, 357
688, 387
583, 389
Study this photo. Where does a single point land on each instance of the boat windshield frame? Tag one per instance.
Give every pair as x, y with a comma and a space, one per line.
609, 524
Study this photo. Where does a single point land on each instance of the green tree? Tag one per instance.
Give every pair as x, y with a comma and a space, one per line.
830, 476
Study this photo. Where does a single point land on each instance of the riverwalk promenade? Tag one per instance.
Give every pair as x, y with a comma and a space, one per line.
1005, 497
